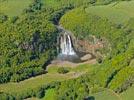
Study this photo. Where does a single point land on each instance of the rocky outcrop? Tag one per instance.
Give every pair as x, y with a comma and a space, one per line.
86, 57
88, 46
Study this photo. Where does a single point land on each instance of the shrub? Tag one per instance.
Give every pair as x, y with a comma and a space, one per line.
99, 60
63, 70
3, 18
4, 96
5, 75
40, 93
14, 19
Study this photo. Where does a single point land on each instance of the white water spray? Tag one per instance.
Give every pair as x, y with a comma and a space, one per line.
66, 45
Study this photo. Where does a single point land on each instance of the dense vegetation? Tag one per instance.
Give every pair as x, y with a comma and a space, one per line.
120, 37
28, 42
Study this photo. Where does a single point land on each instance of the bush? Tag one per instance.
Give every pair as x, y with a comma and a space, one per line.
63, 70
4, 96
14, 19
3, 18
99, 60
40, 93
5, 75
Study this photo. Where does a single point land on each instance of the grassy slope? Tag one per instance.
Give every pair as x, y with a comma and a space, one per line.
14, 7
32, 83
115, 12
79, 68
49, 95
128, 94
106, 95
49, 3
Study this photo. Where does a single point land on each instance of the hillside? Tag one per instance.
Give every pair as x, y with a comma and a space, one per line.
117, 12
66, 49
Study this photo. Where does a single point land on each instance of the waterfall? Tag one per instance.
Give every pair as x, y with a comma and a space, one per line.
66, 47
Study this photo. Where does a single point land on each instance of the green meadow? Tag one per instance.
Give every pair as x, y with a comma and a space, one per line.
128, 94
14, 7
118, 12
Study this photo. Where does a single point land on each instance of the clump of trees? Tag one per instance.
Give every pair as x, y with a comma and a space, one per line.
63, 70
4, 96
27, 44
3, 18
73, 89
35, 6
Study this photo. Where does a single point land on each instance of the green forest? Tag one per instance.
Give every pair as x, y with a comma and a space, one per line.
28, 45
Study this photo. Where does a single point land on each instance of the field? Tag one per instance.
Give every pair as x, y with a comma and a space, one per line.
49, 3
119, 12
128, 94
14, 7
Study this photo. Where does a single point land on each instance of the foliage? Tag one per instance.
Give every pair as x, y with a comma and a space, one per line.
75, 89
62, 70
4, 96
122, 77
120, 38
26, 42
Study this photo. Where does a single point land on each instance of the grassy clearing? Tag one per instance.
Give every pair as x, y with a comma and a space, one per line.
32, 83
117, 12
50, 2
50, 95
106, 95
128, 94
79, 68
83, 68
14, 7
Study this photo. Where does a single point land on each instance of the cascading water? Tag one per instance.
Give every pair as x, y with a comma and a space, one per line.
66, 47
67, 51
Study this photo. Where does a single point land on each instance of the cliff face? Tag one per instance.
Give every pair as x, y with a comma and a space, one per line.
86, 46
